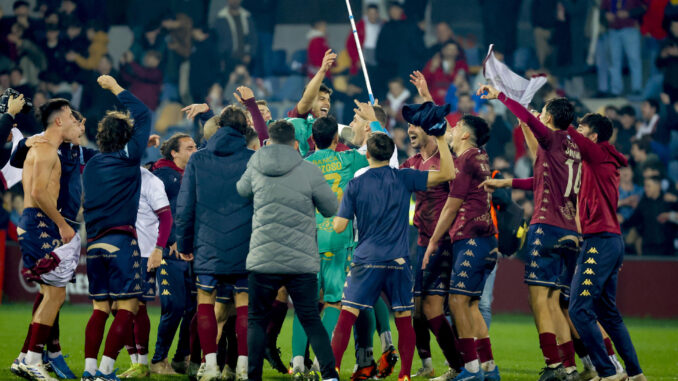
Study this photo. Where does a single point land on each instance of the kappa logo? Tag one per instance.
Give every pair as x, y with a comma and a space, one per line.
134, 242
152, 280
469, 253
587, 282
166, 292
544, 200
546, 174
592, 250
164, 282
137, 276
532, 276
537, 242
46, 246
163, 262
137, 288
543, 209
590, 261
546, 191
163, 272
463, 274
461, 285
39, 215
535, 253
542, 217
589, 272
44, 235
539, 231
534, 264
546, 165
42, 225
466, 264
135, 253
136, 266
585, 293
472, 242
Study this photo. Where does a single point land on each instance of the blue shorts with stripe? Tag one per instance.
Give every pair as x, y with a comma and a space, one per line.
147, 283
114, 268
474, 260
365, 282
225, 285
435, 279
549, 256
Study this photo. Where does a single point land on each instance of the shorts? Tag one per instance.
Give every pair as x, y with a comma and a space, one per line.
435, 279
46, 260
548, 255
147, 282
365, 282
567, 272
332, 275
474, 260
114, 268
225, 285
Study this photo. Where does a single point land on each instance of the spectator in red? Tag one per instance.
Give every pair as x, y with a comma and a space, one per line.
368, 31
317, 46
443, 68
465, 106
143, 81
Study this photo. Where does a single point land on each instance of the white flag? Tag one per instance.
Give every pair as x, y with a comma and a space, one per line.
13, 175
503, 79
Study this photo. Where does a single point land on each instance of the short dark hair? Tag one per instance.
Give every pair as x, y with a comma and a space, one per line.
114, 131
234, 117
643, 143
50, 108
611, 108
562, 112
373, 6
380, 146
480, 128
281, 132
20, 3
598, 124
77, 115
627, 110
250, 135
654, 179
324, 131
172, 144
381, 115
262, 102
325, 89
653, 103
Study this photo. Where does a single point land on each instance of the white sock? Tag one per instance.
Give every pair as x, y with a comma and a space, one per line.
53, 355
91, 366
473, 366
298, 363
554, 365
427, 363
33, 358
142, 359
107, 365
617, 365
241, 365
21, 357
588, 364
211, 360
133, 358
386, 341
488, 366
316, 365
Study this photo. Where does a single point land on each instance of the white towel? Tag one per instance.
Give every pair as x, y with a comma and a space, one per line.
503, 79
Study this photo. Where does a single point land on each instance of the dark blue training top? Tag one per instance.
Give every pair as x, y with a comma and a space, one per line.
112, 180
380, 200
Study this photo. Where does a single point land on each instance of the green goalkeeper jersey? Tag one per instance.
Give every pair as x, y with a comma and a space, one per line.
338, 169
302, 132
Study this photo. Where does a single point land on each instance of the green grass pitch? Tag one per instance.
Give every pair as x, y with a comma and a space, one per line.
514, 342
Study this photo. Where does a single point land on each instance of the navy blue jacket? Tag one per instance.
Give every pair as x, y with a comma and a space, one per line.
73, 159
112, 180
171, 178
212, 221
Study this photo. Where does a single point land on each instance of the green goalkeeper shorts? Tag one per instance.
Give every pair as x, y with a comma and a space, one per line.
332, 276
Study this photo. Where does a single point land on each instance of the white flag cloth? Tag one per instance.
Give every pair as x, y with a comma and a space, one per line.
13, 175
503, 79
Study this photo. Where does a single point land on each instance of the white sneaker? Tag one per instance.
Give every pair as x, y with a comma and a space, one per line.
449, 375
425, 372
201, 370
241, 369
36, 372
211, 373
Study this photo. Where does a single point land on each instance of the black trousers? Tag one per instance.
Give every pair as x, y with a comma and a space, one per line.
303, 288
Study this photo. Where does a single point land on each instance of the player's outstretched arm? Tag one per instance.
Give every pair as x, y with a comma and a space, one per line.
140, 113
447, 216
446, 172
530, 140
311, 93
246, 98
45, 160
419, 81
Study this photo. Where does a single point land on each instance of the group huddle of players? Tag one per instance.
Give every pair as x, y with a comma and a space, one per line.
573, 247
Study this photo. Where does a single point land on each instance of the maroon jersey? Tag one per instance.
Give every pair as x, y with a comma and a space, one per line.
429, 203
473, 218
557, 171
294, 113
599, 194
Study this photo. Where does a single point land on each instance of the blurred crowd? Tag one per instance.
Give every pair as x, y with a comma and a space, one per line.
176, 52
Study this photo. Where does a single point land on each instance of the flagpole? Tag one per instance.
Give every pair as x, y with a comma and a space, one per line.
360, 51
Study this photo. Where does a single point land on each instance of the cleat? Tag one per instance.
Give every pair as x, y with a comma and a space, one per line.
36, 372
312, 375
162, 367
638, 377
365, 373
180, 366
617, 377
137, 371
404, 378
552, 374
387, 362
59, 366
87, 376
297, 375
16, 369
228, 374
201, 370
98, 376
449, 375
272, 355
425, 372
573, 376
588, 374
493, 375
192, 370
211, 373
465, 375
45, 360
240, 374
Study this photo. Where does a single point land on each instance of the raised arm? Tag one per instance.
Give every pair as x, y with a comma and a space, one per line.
530, 141
14, 106
419, 81
311, 93
590, 152
246, 97
540, 131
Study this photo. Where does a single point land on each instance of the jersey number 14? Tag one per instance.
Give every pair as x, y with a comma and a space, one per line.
570, 174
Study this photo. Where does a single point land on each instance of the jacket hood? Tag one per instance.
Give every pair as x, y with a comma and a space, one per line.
164, 163
276, 159
615, 156
226, 141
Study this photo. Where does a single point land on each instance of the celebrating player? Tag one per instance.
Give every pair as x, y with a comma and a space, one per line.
552, 236
112, 183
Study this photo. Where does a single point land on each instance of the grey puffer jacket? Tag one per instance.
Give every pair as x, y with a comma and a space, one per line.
286, 190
